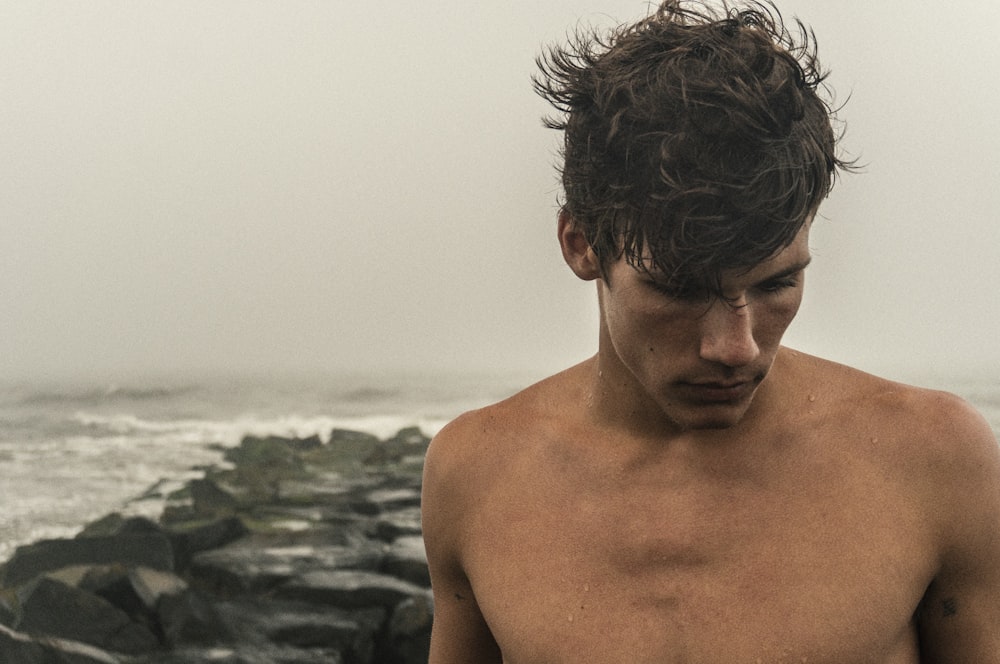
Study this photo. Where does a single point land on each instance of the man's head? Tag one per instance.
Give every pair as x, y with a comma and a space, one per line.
696, 140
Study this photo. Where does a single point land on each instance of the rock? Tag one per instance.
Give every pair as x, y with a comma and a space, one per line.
412, 436
270, 452
398, 523
321, 489
256, 565
242, 654
116, 524
114, 584
187, 618
358, 441
408, 442
18, 648
303, 625
8, 607
387, 500
149, 550
52, 608
210, 497
348, 588
300, 553
408, 636
189, 541
406, 559
151, 585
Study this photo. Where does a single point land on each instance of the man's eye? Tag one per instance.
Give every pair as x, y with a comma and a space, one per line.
777, 285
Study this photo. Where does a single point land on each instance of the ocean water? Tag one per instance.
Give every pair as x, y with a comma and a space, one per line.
70, 453
73, 452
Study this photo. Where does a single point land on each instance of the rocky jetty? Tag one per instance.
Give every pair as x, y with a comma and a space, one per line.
297, 551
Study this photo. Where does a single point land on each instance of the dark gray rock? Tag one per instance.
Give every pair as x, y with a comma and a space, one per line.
398, 523
151, 585
116, 524
384, 500
188, 618
307, 626
8, 606
406, 559
242, 654
411, 436
408, 636
19, 648
210, 497
192, 540
53, 608
406, 444
259, 565
359, 442
271, 451
149, 549
349, 589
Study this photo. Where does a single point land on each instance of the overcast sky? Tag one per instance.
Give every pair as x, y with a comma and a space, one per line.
247, 185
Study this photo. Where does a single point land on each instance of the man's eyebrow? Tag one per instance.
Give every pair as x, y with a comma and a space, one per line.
790, 270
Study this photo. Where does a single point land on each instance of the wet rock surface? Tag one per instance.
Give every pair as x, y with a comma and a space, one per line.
298, 551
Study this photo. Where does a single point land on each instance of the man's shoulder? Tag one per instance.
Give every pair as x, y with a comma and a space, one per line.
929, 421
535, 407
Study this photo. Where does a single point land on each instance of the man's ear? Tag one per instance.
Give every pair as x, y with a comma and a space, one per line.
576, 250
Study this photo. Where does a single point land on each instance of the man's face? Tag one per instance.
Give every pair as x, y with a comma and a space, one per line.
699, 361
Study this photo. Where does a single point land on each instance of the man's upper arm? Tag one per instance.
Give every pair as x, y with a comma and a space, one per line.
959, 619
460, 634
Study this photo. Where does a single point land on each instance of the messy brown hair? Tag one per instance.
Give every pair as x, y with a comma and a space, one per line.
696, 140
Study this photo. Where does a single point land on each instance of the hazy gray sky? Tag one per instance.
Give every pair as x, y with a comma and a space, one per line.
246, 185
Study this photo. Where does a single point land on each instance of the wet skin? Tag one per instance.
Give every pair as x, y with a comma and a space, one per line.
696, 493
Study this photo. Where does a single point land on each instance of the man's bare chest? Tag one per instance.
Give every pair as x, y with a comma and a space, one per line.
683, 574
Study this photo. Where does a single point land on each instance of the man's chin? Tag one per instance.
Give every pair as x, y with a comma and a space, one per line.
712, 417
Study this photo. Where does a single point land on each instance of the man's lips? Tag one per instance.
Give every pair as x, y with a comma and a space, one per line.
719, 391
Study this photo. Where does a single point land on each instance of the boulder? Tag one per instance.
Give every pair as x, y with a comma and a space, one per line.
270, 451
19, 648
146, 549
397, 523
116, 524
53, 608
188, 618
407, 639
192, 540
243, 654
384, 500
260, 564
307, 626
353, 589
408, 442
406, 558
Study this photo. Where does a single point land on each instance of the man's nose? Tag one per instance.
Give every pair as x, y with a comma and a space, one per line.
727, 333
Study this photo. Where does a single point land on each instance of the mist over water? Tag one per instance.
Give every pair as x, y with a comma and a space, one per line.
72, 453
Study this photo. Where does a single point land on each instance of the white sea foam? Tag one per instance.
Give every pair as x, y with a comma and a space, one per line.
69, 455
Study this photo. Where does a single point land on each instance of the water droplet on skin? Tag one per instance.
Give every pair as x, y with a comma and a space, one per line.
812, 398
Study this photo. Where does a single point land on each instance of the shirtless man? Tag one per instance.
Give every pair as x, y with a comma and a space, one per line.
696, 492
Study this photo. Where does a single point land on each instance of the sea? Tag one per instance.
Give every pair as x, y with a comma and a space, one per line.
73, 451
